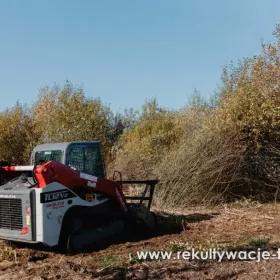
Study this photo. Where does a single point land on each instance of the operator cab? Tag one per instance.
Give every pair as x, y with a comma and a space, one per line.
82, 156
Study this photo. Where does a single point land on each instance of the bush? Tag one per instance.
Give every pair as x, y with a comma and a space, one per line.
220, 151
64, 114
142, 147
207, 152
60, 114
17, 134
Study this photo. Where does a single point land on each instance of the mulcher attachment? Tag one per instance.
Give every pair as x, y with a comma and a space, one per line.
138, 214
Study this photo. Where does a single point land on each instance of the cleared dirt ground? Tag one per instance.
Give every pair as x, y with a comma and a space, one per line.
233, 227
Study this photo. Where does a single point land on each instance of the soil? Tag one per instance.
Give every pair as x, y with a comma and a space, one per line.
246, 226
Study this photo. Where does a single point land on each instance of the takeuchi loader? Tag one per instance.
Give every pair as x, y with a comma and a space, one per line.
63, 199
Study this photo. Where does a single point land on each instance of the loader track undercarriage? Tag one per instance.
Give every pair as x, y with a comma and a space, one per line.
82, 237
86, 239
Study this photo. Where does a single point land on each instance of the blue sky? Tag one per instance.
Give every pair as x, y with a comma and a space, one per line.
127, 51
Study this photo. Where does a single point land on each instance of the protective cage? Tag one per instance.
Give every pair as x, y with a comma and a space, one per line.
144, 194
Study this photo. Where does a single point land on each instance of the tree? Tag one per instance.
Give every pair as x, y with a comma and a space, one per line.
65, 114
17, 134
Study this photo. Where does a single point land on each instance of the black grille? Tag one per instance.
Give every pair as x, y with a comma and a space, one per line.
10, 213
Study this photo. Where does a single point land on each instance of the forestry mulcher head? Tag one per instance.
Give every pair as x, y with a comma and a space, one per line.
63, 198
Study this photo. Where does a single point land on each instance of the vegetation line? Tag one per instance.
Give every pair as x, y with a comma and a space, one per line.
204, 153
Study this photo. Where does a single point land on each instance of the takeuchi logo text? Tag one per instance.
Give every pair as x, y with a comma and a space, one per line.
56, 196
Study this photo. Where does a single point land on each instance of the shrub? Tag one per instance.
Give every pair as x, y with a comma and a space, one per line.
65, 114
143, 146
215, 152
17, 134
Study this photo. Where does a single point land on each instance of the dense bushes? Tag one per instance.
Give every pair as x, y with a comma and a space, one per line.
17, 134
207, 152
61, 113
65, 114
223, 150
141, 148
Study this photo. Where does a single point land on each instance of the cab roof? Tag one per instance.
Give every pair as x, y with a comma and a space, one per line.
60, 146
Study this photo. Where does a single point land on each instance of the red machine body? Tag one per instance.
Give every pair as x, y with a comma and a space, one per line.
54, 171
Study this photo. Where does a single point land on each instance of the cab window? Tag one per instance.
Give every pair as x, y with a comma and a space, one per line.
85, 158
43, 156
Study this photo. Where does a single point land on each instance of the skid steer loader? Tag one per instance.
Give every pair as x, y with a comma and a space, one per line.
64, 199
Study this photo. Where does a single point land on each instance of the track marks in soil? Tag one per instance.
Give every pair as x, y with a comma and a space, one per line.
232, 226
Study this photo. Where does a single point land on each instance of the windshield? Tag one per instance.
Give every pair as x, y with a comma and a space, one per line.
43, 156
